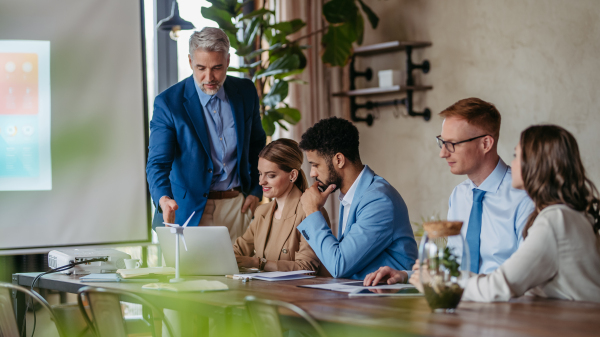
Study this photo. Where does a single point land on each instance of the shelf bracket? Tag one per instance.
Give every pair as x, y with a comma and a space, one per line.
407, 101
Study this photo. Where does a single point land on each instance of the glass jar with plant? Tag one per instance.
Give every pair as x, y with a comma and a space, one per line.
443, 267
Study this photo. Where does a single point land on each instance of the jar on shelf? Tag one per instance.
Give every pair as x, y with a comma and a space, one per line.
443, 264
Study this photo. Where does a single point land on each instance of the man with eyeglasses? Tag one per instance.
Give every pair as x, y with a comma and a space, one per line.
492, 211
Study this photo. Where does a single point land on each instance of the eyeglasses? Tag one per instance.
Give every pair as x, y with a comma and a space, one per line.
450, 145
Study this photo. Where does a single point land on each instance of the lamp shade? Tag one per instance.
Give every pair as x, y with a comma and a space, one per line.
174, 20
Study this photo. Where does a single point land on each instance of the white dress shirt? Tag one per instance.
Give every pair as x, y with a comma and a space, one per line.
346, 200
560, 258
505, 212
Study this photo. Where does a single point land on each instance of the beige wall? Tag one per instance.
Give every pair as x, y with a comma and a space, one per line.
537, 61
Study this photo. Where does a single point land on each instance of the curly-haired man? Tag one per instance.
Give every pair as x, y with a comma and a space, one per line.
374, 229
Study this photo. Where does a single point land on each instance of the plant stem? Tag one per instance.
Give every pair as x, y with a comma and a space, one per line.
310, 34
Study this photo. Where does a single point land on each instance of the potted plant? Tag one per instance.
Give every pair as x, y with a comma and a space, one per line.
443, 264
272, 59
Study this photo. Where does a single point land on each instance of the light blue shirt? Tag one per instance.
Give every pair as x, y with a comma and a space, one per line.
505, 212
220, 126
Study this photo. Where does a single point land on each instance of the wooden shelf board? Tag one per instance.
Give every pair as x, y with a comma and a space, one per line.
382, 91
389, 47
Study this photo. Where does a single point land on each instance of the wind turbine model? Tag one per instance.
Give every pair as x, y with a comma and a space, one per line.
177, 229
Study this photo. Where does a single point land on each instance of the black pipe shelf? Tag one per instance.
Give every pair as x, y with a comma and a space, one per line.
382, 91
408, 88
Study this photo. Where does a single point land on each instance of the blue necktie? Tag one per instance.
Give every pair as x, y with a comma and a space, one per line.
474, 230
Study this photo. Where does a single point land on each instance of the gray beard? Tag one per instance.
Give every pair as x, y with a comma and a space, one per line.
211, 92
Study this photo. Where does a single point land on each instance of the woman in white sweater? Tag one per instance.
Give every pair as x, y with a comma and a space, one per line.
560, 255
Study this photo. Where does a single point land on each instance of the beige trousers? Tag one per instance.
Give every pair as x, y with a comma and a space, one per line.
228, 213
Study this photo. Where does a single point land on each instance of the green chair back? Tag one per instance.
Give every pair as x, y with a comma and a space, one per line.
264, 315
105, 317
8, 320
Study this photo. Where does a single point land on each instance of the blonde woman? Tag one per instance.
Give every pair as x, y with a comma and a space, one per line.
272, 242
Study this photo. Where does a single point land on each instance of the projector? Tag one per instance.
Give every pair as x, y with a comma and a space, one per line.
113, 260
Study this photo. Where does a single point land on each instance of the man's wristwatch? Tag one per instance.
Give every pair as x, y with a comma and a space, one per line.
261, 263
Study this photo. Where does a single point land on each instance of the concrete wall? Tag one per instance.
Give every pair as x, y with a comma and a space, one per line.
537, 61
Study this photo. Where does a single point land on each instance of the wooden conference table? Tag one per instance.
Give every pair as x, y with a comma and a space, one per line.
344, 316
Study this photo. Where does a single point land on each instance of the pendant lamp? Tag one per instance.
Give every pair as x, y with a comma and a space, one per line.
174, 23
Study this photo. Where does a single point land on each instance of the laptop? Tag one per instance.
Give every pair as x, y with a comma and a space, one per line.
209, 250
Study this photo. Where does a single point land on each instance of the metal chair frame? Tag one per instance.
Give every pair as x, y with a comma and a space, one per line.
154, 314
251, 300
39, 299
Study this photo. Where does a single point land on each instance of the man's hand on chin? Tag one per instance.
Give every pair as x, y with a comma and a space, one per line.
313, 199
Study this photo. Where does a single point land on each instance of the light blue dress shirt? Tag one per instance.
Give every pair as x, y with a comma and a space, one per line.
505, 212
220, 126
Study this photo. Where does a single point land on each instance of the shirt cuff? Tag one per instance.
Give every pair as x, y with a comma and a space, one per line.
409, 272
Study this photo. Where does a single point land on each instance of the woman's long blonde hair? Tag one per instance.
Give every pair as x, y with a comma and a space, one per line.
288, 156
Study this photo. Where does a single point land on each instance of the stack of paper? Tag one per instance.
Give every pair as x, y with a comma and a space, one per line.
349, 287
277, 275
137, 272
197, 285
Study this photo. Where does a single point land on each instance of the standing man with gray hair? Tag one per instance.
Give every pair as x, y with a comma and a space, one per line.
205, 136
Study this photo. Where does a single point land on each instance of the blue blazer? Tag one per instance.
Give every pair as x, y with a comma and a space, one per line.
179, 161
378, 232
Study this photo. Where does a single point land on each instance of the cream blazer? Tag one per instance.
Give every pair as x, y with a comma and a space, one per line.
560, 258
286, 245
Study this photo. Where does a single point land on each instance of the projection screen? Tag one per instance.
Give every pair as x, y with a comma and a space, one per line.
73, 124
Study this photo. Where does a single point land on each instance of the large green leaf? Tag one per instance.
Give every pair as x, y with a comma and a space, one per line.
359, 29
233, 41
289, 27
268, 124
239, 70
221, 17
288, 49
252, 30
260, 51
290, 115
373, 19
295, 49
337, 46
258, 12
230, 6
247, 44
245, 68
274, 114
289, 73
282, 65
339, 11
278, 93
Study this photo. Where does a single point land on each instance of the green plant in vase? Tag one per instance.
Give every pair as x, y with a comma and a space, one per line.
438, 292
441, 269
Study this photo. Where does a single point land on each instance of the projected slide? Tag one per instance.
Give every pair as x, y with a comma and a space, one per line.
25, 115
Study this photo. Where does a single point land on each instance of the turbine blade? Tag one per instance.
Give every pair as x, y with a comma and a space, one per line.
188, 220
183, 239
